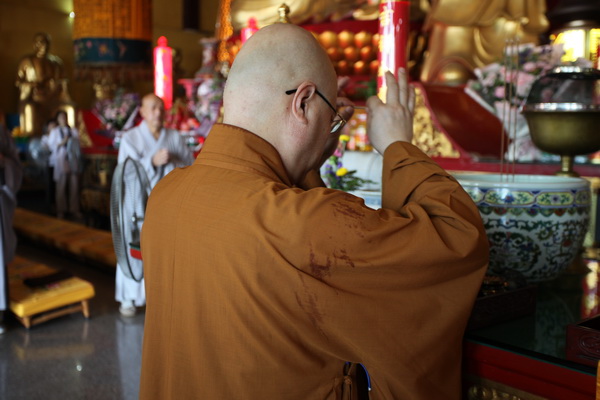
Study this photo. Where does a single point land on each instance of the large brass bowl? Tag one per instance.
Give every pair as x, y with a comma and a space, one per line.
566, 129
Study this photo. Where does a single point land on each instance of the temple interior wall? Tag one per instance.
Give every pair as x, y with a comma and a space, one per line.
20, 20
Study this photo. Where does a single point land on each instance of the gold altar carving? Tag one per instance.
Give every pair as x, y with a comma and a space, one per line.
427, 136
315, 10
224, 30
284, 14
466, 34
42, 88
485, 389
84, 136
104, 86
301, 10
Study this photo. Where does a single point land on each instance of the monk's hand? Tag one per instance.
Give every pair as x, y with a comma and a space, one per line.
342, 103
391, 121
161, 157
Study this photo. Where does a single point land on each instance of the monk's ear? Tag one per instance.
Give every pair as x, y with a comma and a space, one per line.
303, 94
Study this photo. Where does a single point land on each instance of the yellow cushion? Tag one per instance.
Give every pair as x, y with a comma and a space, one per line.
26, 301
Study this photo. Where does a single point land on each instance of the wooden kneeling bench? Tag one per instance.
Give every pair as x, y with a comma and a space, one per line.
34, 305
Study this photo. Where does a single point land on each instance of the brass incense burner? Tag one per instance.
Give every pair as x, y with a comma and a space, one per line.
563, 114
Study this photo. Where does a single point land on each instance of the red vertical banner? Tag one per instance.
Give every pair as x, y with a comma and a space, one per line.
394, 24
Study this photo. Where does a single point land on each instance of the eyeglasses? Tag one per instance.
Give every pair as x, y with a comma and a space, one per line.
336, 124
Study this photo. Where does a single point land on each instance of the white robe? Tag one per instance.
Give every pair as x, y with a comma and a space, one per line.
59, 154
68, 163
140, 145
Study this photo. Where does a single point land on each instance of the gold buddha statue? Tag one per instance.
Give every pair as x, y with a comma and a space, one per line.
467, 34
43, 88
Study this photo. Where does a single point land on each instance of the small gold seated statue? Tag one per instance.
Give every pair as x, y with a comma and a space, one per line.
43, 88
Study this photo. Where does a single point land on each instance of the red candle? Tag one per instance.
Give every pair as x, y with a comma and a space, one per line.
163, 72
250, 30
393, 37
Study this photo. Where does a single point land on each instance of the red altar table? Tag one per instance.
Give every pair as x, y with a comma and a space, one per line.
527, 357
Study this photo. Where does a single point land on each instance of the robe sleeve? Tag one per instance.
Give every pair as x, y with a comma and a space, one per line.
393, 288
180, 152
53, 140
132, 146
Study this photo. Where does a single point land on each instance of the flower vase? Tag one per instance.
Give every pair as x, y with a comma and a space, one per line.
209, 58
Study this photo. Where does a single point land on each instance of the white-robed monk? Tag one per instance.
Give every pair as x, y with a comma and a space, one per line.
159, 151
11, 174
65, 157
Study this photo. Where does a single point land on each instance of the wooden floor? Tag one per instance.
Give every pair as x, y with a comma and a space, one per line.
89, 244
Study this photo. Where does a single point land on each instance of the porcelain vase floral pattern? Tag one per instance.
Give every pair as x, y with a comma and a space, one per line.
535, 224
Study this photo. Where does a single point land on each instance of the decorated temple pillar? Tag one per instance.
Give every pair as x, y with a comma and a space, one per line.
112, 41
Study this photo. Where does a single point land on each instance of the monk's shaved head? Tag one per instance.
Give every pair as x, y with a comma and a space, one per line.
153, 112
150, 98
277, 58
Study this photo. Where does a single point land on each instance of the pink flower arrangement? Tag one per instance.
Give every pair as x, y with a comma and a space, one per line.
115, 113
180, 118
498, 82
503, 87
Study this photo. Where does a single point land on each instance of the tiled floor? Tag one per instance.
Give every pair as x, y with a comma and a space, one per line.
71, 357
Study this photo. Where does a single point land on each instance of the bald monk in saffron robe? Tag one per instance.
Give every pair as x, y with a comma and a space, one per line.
262, 283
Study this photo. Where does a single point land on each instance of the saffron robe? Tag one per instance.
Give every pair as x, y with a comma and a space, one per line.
140, 145
257, 289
